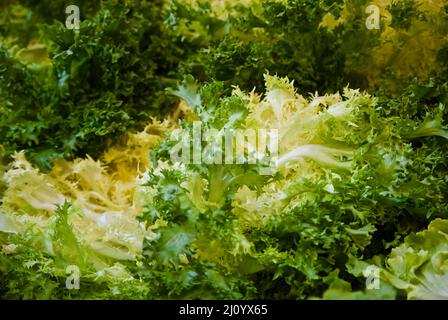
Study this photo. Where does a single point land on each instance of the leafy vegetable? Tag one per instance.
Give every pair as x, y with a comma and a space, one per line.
192, 149
347, 175
101, 82
419, 265
110, 77
97, 232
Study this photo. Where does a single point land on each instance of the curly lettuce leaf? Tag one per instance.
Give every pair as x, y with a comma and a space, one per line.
420, 265
351, 182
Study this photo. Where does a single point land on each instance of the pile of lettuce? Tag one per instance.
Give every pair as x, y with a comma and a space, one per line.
110, 77
351, 182
89, 122
66, 93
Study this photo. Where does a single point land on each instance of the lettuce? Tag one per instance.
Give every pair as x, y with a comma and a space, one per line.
34, 265
323, 46
82, 213
101, 83
349, 183
348, 178
111, 77
420, 266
